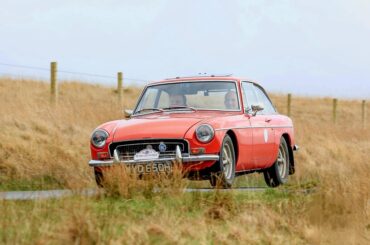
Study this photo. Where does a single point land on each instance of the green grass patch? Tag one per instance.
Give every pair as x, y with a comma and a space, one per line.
249, 180
105, 219
35, 183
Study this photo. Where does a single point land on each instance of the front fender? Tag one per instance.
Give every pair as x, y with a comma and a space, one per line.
109, 127
212, 147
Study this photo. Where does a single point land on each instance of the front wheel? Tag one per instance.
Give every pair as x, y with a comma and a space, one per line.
223, 174
278, 173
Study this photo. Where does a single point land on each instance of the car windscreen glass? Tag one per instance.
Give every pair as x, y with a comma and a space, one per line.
200, 95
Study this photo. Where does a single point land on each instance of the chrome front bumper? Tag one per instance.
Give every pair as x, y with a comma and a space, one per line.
178, 158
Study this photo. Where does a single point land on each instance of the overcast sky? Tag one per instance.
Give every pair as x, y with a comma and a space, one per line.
304, 47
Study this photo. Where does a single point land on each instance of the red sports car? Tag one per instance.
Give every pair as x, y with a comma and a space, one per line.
216, 127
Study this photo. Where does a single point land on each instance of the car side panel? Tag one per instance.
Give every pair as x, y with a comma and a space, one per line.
245, 144
241, 127
283, 125
263, 141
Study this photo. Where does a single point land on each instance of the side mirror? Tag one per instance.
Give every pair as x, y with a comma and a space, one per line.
256, 108
247, 110
127, 113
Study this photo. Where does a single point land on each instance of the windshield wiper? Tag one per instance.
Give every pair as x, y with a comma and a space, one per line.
149, 109
179, 107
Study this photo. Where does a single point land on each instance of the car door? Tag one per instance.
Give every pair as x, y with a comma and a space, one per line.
263, 135
266, 148
257, 125
245, 135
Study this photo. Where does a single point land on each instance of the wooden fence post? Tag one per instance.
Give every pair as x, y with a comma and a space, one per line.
119, 87
289, 104
364, 114
335, 103
53, 83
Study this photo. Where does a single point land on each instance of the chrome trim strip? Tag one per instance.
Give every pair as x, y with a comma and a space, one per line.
201, 158
196, 76
99, 163
178, 154
179, 158
115, 156
221, 129
198, 158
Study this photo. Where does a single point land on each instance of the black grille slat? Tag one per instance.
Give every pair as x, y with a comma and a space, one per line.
127, 149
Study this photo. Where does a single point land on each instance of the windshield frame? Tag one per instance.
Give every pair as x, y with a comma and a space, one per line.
190, 81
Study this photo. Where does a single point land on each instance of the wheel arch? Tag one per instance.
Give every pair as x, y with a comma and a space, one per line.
287, 138
234, 139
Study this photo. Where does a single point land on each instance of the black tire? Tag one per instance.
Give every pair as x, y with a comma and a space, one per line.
223, 171
99, 178
278, 173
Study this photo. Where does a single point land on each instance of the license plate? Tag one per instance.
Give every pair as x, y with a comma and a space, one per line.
159, 167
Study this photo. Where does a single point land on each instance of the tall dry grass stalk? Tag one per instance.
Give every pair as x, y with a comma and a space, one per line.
121, 181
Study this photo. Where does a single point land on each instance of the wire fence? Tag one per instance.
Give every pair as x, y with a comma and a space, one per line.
54, 73
76, 73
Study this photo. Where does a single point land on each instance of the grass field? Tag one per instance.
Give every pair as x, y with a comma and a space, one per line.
46, 147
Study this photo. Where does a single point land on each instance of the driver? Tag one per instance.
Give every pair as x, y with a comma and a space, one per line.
177, 100
231, 100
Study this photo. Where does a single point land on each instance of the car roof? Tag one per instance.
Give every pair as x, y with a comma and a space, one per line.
203, 78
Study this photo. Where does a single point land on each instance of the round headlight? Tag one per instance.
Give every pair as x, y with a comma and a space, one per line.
205, 133
99, 138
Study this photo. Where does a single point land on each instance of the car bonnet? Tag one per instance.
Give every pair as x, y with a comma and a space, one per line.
154, 127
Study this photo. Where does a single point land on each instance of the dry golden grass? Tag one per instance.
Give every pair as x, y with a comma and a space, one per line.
38, 141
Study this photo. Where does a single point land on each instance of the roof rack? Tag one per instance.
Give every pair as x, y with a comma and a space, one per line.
202, 75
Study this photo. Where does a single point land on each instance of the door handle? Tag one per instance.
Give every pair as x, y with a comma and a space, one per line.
267, 120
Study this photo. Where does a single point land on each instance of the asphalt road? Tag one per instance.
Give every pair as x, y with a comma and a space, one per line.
33, 195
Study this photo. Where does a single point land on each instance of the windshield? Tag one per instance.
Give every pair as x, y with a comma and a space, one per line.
211, 95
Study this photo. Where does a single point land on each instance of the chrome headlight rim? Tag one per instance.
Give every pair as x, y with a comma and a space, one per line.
207, 138
103, 142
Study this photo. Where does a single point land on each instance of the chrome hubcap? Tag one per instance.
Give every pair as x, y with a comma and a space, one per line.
282, 162
227, 160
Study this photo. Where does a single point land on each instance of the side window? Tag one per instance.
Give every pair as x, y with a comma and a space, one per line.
264, 100
249, 96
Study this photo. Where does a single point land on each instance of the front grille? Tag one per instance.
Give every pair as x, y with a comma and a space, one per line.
127, 149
